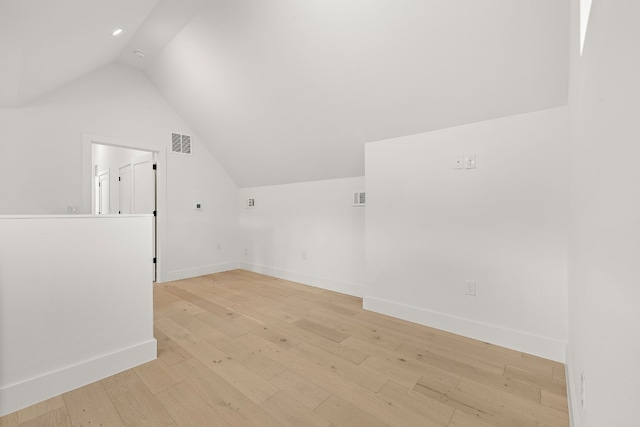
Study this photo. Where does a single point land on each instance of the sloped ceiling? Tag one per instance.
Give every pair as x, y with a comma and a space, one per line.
287, 91
46, 44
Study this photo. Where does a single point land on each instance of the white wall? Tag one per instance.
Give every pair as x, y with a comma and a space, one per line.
286, 92
76, 303
604, 243
317, 218
431, 227
41, 164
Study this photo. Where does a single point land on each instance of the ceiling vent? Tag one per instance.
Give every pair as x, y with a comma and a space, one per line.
180, 143
359, 199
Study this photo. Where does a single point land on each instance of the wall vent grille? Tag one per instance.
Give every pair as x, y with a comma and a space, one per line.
359, 198
180, 143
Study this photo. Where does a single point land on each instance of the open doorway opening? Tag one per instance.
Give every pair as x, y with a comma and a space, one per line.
125, 183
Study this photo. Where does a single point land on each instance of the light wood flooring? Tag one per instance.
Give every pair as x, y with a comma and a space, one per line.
242, 349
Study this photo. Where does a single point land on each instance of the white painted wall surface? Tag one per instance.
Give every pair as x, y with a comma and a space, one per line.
286, 92
431, 227
76, 303
604, 239
41, 164
315, 218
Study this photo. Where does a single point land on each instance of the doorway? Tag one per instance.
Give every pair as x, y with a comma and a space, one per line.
132, 190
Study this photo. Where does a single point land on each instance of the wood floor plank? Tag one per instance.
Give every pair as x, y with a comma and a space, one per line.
321, 330
543, 382
249, 358
90, 405
462, 419
555, 401
470, 368
277, 335
168, 351
401, 326
291, 413
187, 408
156, 376
229, 402
388, 370
337, 349
304, 391
40, 409
224, 325
10, 420
435, 412
360, 375
351, 392
344, 414
403, 363
135, 403
526, 409
255, 387
490, 412
54, 418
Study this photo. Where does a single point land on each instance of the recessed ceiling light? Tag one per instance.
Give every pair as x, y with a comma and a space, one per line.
117, 32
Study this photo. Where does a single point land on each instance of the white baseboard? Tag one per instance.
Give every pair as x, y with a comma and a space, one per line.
573, 392
306, 279
26, 393
516, 340
199, 271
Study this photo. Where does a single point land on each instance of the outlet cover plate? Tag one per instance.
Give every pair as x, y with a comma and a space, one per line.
470, 161
458, 162
471, 288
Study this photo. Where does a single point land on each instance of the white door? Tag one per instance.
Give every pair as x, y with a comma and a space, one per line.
103, 193
126, 185
144, 183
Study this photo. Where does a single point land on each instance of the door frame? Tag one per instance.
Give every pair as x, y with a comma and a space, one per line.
100, 174
88, 140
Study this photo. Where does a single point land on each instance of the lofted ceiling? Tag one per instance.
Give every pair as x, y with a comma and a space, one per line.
287, 91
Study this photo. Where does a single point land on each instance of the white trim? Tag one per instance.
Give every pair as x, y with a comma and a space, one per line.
573, 393
170, 276
161, 185
26, 393
516, 340
306, 279
72, 216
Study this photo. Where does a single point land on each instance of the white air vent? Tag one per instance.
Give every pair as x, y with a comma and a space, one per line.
358, 199
180, 143
186, 144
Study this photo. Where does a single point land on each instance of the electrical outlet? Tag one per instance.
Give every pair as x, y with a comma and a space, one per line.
219, 247
458, 162
246, 251
471, 288
304, 254
470, 161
